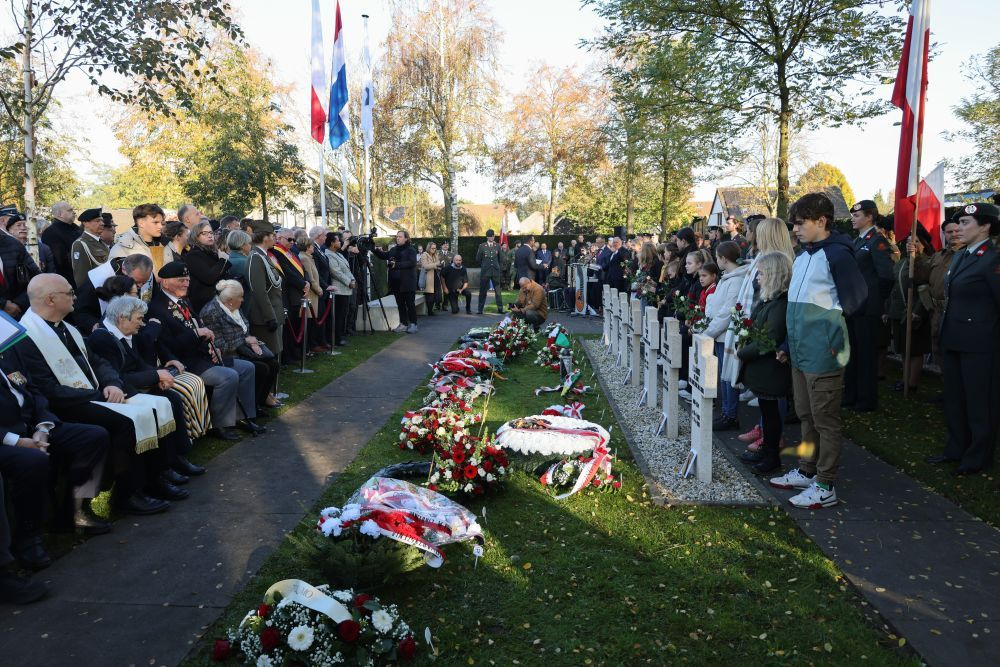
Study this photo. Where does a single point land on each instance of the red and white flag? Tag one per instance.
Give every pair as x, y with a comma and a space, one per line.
909, 94
318, 114
503, 229
930, 204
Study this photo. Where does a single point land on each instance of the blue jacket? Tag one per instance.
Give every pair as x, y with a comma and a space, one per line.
826, 287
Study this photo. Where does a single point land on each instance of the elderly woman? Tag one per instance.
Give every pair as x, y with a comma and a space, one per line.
232, 338
306, 248
430, 263
343, 284
238, 242
114, 341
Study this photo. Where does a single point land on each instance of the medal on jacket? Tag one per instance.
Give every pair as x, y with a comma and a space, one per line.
981, 251
17, 379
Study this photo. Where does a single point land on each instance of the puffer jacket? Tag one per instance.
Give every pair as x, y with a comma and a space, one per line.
826, 287
719, 304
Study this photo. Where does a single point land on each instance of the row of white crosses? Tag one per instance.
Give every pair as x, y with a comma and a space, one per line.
650, 352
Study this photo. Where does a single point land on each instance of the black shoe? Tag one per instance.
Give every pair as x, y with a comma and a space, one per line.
752, 457
89, 524
175, 477
479, 312
263, 412
141, 504
20, 590
725, 424
938, 459
468, 312
164, 490
185, 467
766, 465
30, 553
224, 434
962, 471
250, 426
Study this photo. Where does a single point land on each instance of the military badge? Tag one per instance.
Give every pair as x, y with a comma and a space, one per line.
17, 379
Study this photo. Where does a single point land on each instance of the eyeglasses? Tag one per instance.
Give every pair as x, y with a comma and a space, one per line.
206, 232
69, 293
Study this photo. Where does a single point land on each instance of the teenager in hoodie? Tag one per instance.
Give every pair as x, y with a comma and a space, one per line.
826, 287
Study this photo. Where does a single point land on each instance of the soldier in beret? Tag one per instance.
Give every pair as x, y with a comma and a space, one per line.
970, 343
87, 252
874, 259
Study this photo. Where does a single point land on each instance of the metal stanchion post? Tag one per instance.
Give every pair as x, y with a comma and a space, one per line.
304, 310
333, 324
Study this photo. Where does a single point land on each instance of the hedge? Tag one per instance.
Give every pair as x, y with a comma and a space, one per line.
468, 245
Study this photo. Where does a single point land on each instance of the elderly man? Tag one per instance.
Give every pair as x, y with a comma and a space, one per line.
88, 252
532, 305
16, 269
295, 287
456, 283
86, 315
324, 332
613, 264
60, 236
184, 340
83, 388
189, 215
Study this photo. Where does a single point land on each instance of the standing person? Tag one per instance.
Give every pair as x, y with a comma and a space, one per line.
87, 251
143, 238
189, 215
324, 332
717, 309
614, 269
306, 248
732, 229
446, 256
920, 340
544, 257
402, 260
525, 261
936, 271
17, 268
343, 283
205, 266
108, 231
874, 260
266, 311
430, 263
490, 257
175, 237
456, 283
970, 343
826, 286
714, 237
294, 289
59, 236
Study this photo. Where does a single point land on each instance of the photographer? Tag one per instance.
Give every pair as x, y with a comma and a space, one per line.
402, 260
531, 306
342, 282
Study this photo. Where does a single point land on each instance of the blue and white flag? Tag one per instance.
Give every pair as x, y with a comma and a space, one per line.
367, 94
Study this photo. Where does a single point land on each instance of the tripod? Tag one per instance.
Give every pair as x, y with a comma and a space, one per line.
366, 271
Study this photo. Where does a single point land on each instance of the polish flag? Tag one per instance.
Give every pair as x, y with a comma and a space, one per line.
503, 230
318, 116
930, 204
909, 94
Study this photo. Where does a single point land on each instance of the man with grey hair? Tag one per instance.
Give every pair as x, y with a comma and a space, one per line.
86, 315
60, 236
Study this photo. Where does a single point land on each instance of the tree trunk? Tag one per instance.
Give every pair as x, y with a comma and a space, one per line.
28, 132
664, 199
450, 205
263, 203
784, 121
553, 186
630, 182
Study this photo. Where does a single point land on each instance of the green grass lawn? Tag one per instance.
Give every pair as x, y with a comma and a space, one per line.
606, 579
904, 432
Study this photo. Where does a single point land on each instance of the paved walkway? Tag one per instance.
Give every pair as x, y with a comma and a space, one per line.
144, 593
930, 568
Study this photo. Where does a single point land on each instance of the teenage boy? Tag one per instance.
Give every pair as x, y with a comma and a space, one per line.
826, 287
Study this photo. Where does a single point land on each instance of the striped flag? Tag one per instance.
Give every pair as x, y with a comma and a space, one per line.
503, 229
318, 115
367, 94
909, 94
339, 119
930, 204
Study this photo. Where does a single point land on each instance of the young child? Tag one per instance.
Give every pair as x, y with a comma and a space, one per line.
708, 276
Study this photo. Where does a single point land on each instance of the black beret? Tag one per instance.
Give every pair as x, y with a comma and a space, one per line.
489, 233
755, 216
864, 205
174, 269
981, 211
90, 214
14, 217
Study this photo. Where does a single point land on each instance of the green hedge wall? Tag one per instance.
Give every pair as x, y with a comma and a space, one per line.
467, 245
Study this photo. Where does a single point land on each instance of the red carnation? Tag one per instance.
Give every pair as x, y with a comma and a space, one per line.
349, 630
488, 466
221, 650
616, 484
471, 472
360, 599
269, 639
407, 647
458, 457
597, 481
263, 610
456, 473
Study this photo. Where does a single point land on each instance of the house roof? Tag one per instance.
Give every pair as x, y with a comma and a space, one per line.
741, 202
701, 208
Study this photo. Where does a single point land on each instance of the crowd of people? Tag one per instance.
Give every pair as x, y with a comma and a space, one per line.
139, 344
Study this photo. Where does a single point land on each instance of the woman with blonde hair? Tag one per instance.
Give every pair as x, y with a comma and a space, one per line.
430, 263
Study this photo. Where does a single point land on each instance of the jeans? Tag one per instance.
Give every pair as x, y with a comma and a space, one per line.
729, 395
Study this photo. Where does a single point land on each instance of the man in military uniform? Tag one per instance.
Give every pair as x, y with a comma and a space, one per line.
714, 237
490, 258
59, 236
88, 252
108, 230
970, 343
874, 259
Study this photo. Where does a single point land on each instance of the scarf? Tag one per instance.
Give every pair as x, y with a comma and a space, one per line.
293, 260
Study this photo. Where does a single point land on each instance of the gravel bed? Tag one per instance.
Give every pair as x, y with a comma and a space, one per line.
660, 457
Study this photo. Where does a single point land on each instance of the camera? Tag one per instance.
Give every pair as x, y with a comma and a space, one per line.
364, 242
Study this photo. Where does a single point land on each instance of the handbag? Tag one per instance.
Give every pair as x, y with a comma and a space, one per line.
422, 280
247, 352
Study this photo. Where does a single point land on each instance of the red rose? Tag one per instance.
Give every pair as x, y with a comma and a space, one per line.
597, 481
478, 490
263, 610
456, 473
432, 487
471, 472
269, 639
349, 630
360, 599
488, 466
616, 484
221, 650
407, 647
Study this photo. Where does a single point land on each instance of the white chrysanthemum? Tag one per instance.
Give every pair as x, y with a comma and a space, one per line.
264, 660
402, 436
350, 512
417, 419
435, 477
468, 488
370, 528
490, 477
332, 526
382, 621
501, 470
330, 511
300, 638
343, 596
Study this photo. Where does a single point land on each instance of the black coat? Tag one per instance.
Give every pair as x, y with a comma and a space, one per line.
971, 318
525, 263
18, 269
86, 308
59, 236
761, 372
177, 339
136, 375
293, 281
21, 419
206, 268
874, 258
402, 274
454, 277
58, 395
322, 266
614, 271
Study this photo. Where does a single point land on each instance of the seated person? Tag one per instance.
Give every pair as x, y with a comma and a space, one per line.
83, 388
91, 299
232, 338
555, 284
531, 305
38, 446
114, 341
455, 279
184, 340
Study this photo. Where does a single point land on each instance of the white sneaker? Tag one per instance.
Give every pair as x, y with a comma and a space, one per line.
411, 329
793, 479
685, 394
746, 396
753, 402
400, 329
814, 498
682, 384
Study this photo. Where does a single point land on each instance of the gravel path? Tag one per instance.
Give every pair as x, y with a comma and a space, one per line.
661, 458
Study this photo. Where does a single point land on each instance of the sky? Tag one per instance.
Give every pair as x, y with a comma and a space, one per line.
550, 31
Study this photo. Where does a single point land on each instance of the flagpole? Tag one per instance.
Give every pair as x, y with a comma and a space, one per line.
343, 184
322, 184
368, 186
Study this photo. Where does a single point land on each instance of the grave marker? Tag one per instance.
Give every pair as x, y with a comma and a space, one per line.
703, 379
606, 300
616, 323
624, 325
671, 352
651, 354
635, 342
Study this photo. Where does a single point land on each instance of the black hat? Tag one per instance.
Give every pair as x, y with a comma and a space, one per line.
14, 217
9, 209
755, 216
261, 227
982, 211
864, 205
489, 233
174, 269
713, 226
90, 214
109, 220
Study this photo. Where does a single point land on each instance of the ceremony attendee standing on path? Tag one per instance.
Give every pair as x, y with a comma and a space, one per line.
874, 260
59, 236
717, 309
430, 264
456, 283
489, 256
87, 251
402, 260
826, 287
266, 310
970, 343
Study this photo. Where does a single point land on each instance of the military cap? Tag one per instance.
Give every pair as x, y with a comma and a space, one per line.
14, 217
864, 205
109, 220
90, 214
174, 269
981, 211
755, 216
489, 233
9, 209
261, 227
